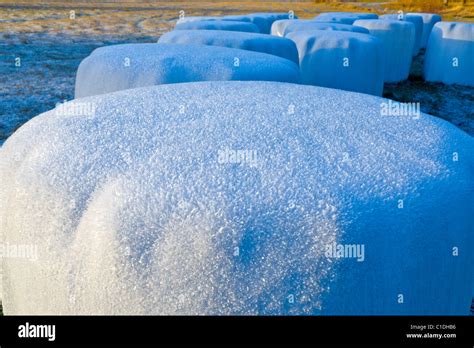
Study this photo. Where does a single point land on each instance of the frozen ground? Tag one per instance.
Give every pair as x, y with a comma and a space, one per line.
453, 103
46, 75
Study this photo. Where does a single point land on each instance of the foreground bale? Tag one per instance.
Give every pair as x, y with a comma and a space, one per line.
237, 198
113, 68
449, 57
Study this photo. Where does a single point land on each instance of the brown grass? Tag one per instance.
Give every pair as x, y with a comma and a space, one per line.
434, 6
151, 18
457, 10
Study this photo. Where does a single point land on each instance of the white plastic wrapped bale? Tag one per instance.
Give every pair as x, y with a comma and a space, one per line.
263, 20
217, 25
417, 22
340, 59
113, 68
398, 39
263, 43
236, 198
344, 17
313, 25
449, 57
186, 19
279, 26
429, 20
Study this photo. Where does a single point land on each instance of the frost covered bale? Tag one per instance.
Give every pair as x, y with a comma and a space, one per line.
113, 68
340, 59
429, 20
344, 17
417, 22
262, 20
313, 25
187, 19
263, 43
449, 57
279, 26
217, 25
234, 197
398, 39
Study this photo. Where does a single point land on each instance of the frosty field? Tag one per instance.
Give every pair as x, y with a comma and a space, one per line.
233, 172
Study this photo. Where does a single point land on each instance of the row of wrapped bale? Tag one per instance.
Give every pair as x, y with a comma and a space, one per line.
177, 59
359, 57
340, 53
394, 31
448, 59
199, 49
401, 35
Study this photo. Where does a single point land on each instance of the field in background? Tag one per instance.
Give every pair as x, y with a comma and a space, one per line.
51, 38
153, 18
